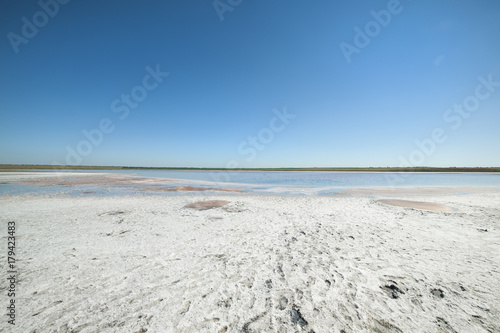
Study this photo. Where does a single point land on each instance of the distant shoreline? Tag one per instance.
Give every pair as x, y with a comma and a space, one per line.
15, 167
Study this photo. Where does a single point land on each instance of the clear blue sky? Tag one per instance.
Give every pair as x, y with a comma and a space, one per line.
227, 76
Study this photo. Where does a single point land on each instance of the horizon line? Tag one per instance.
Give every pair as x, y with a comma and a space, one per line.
368, 168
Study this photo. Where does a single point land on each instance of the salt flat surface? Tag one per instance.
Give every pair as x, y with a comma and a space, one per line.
258, 264
27, 175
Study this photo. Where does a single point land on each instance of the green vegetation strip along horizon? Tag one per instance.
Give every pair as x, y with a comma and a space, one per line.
16, 167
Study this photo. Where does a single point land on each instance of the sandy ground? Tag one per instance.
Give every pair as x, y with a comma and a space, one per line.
260, 263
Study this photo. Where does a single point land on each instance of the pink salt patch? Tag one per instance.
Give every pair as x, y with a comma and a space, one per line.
209, 204
416, 205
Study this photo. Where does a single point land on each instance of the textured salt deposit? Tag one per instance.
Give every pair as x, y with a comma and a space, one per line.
260, 263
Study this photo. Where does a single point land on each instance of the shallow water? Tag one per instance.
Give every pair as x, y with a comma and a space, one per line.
331, 179
282, 182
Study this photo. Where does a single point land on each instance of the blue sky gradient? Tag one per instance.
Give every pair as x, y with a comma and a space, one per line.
228, 79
